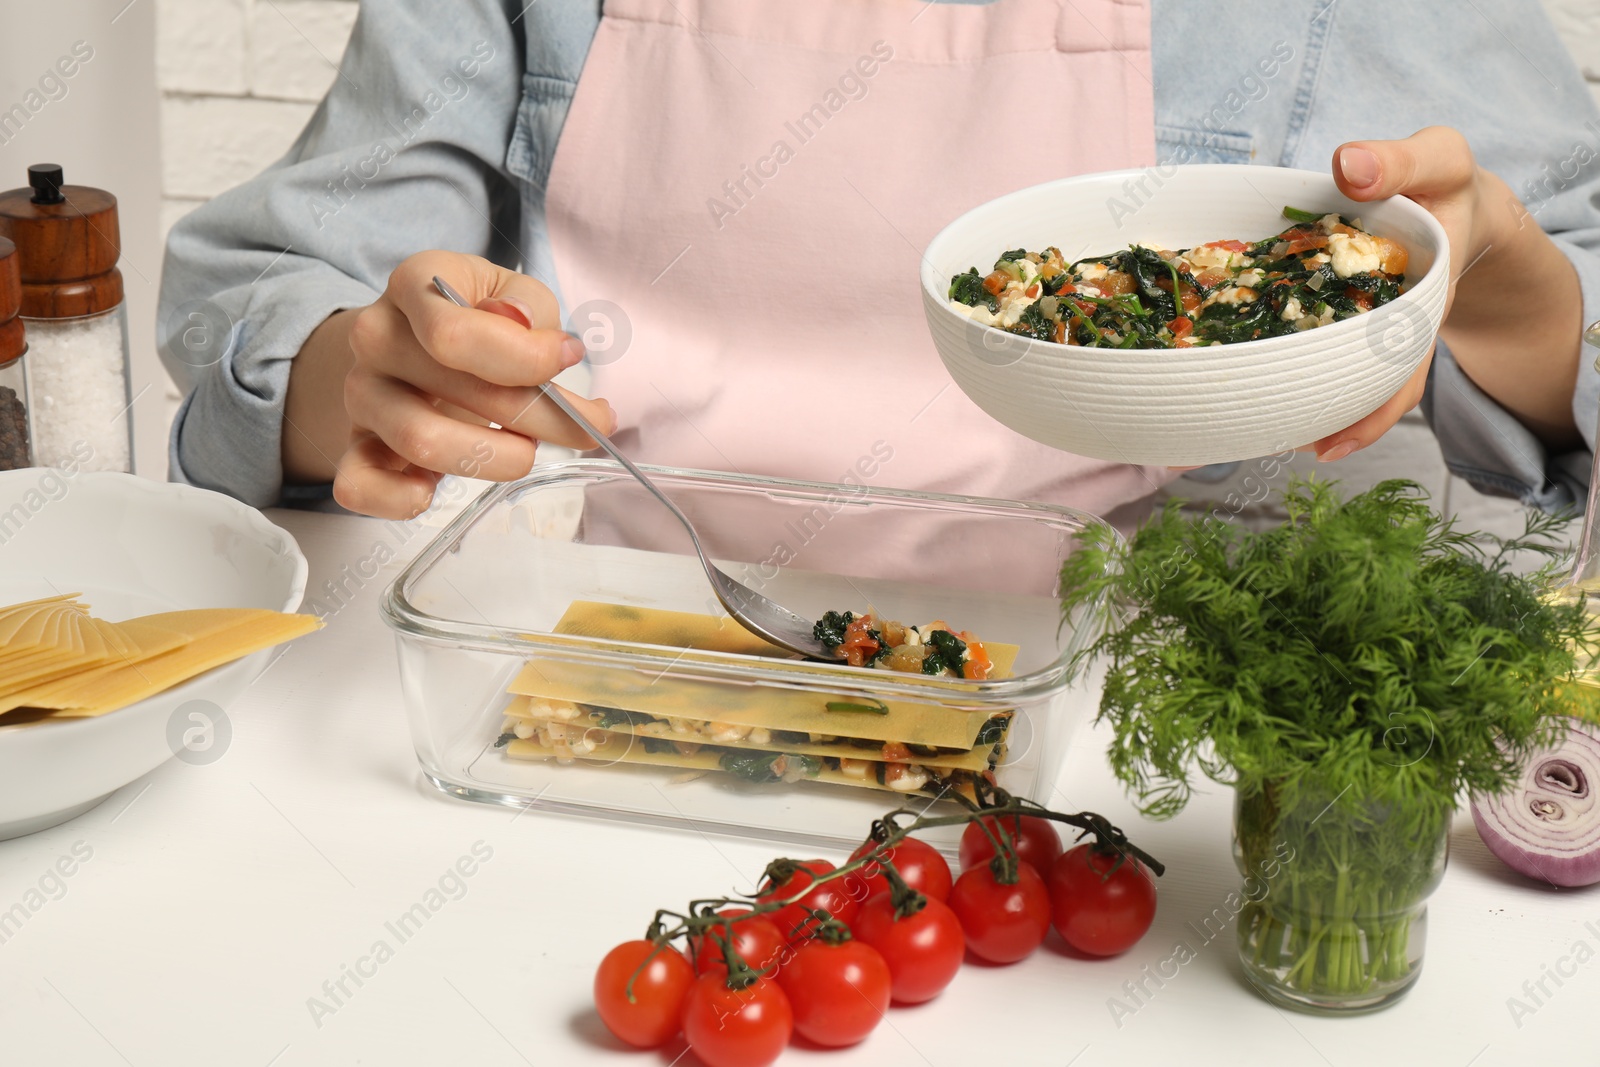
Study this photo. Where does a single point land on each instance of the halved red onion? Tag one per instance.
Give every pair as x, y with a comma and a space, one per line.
1547, 826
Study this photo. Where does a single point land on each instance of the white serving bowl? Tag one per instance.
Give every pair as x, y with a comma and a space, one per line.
1190, 406
132, 547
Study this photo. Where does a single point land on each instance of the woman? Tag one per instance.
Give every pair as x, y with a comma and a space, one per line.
743, 189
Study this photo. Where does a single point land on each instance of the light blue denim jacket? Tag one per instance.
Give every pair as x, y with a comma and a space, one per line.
440, 129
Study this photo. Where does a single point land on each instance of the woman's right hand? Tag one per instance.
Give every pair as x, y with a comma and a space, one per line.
429, 377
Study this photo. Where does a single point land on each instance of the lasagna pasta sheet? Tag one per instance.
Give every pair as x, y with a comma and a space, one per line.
770, 708
104, 666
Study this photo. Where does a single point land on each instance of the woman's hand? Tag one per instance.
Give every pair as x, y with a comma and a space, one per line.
1513, 314
423, 379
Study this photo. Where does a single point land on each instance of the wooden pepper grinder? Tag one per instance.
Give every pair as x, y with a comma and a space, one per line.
16, 448
68, 243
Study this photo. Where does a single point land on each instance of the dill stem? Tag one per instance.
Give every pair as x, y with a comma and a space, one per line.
1335, 921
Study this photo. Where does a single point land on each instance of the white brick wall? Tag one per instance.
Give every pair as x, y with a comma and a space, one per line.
212, 143
200, 47
240, 78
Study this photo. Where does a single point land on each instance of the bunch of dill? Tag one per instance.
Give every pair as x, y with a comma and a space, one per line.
1364, 647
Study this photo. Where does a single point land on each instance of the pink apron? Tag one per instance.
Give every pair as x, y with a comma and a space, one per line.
752, 184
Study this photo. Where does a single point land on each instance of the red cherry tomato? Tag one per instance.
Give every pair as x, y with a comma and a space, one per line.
923, 950
1003, 923
832, 897
918, 862
838, 992
1035, 840
747, 1027
757, 940
1096, 909
654, 1013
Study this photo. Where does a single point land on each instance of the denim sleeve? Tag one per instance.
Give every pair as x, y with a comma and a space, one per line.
1489, 448
1374, 69
407, 152
1552, 162
1524, 107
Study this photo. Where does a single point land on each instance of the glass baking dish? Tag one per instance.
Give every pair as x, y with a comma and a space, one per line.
480, 602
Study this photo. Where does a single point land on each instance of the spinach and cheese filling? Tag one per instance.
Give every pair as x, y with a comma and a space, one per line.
1321, 269
934, 649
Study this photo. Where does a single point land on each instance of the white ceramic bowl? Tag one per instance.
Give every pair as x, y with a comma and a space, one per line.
132, 547
1182, 406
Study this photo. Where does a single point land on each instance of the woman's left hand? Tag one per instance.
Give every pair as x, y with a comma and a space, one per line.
1513, 313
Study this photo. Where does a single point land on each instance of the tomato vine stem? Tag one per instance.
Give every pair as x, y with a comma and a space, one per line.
887, 831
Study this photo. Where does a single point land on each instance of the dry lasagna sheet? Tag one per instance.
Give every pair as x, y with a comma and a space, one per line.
58, 661
595, 714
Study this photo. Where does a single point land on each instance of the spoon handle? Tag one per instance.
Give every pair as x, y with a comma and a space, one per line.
554, 393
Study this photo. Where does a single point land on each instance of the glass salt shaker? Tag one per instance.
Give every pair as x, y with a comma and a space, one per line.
68, 243
16, 449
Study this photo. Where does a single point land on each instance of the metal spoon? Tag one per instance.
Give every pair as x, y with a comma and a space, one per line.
750, 609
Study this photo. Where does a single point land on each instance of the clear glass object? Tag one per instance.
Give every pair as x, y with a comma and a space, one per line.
79, 384
1334, 919
16, 437
1584, 577
1585, 572
480, 601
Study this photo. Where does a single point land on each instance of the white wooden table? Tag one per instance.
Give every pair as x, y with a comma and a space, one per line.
243, 913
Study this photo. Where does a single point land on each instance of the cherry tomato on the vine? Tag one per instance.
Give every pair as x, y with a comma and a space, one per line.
1096, 909
756, 940
923, 950
1003, 923
1034, 839
747, 1027
654, 1014
838, 992
918, 862
830, 896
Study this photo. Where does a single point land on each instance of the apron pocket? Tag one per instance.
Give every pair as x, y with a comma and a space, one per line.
1194, 144
540, 116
